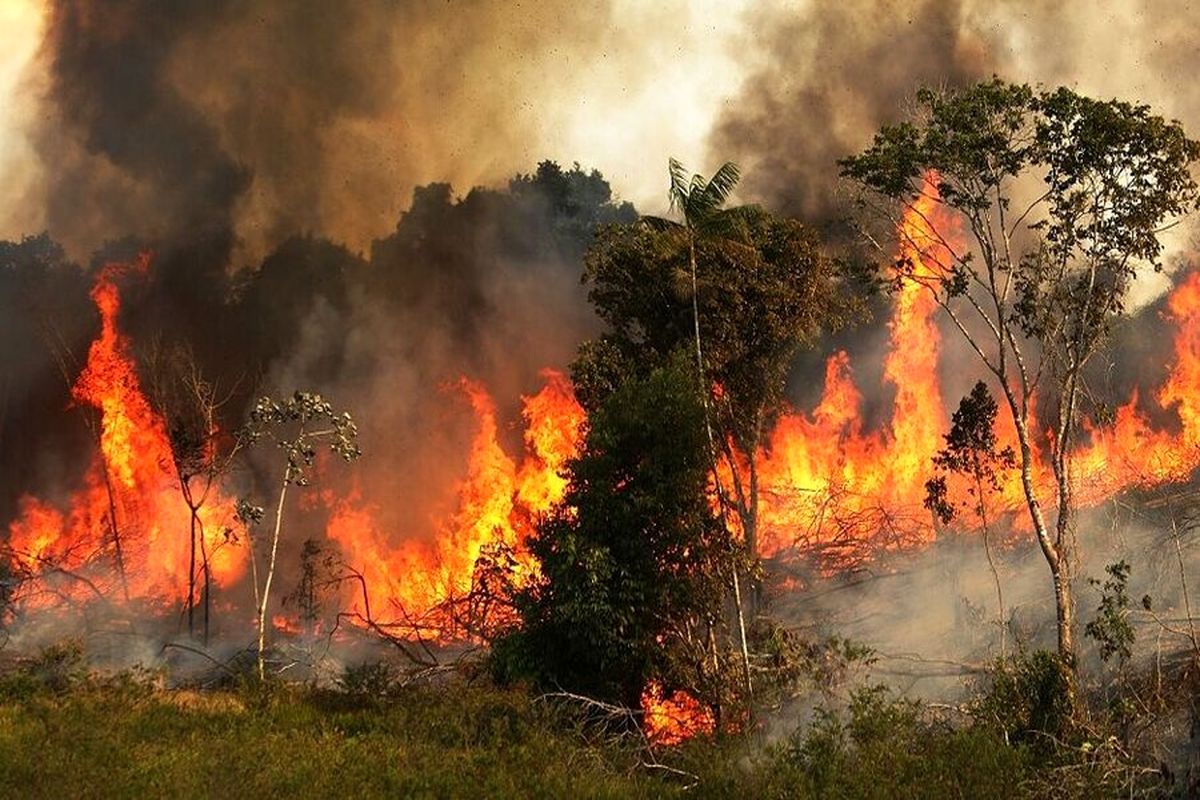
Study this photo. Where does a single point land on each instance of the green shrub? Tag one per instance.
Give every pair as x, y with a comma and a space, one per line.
1028, 699
369, 679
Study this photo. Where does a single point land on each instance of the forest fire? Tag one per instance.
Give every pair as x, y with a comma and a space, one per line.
825, 476
130, 514
830, 486
826, 481
497, 502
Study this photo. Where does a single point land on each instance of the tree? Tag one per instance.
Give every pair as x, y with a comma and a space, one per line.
1062, 199
296, 425
700, 205
972, 451
755, 286
201, 455
634, 563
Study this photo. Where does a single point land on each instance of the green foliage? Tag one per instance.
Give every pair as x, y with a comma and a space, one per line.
58, 668
699, 201
788, 664
1113, 176
882, 746
1028, 699
631, 562
577, 202
1111, 628
123, 736
368, 679
763, 291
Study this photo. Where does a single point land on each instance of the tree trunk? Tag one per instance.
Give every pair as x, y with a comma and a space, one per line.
266, 592
712, 447
751, 526
1064, 606
116, 533
191, 611
1064, 610
204, 565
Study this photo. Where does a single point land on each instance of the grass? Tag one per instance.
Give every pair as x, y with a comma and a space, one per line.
113, 740
65, 734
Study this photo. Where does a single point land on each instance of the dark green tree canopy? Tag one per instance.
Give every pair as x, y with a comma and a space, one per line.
763, 290
632, 557
972, 450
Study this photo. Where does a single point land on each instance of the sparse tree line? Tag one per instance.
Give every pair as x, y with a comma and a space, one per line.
650, 570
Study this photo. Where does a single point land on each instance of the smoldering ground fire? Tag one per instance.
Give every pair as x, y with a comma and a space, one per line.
448, 340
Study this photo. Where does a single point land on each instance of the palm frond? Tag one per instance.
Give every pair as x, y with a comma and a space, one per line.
730, 227
722, 183
678, 191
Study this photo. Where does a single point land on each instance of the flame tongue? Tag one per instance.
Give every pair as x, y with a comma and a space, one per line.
669, 720
130, 486
497, 502
829, 483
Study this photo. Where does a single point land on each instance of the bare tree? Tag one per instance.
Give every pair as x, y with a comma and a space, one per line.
296, 425
202, 454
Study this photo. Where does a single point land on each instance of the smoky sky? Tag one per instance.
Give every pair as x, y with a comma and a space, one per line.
827, 78
822, 78
257, 121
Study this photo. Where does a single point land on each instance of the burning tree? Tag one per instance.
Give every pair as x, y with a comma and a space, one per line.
296, 425
1063, 199
201, 456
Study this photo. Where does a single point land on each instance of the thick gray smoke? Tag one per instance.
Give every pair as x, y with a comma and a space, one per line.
174, 121
824, 80
821, 80
131, 154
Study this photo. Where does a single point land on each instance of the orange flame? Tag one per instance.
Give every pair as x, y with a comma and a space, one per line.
674, 719
130, 486
826, 481
497, 503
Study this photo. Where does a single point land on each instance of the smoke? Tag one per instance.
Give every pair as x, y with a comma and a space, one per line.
932, 615
257, 121
820, 81
131, 154
827, 77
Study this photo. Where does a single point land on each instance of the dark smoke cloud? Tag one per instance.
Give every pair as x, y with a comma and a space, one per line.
176, 120
828, 78
130, 154
822, 80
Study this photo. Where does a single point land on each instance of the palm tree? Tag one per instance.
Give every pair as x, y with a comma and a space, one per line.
700, 202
